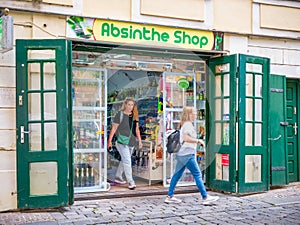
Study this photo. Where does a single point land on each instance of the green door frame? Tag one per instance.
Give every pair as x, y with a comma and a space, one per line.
238, 124
44, 174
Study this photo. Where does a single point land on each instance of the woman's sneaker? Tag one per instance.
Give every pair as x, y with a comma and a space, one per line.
119, 180
209, 199
131, 185
172, 200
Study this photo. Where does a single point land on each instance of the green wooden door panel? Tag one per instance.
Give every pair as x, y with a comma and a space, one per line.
292, 130
277, 130
43, 121
237, 155
221, 144
253, 159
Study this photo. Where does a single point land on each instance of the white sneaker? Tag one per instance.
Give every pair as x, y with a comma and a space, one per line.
131, 185
209, 199
119, 180
172, 200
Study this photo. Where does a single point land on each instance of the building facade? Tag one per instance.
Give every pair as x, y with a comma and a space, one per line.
267, 29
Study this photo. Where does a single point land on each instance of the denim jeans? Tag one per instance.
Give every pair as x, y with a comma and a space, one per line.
183, 162
125, 163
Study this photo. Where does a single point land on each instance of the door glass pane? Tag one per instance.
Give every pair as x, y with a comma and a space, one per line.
226, 106
258, 85
226, 134
34, 78
252, 168
226, 87
258, 134
218, 133
50, 106
34, 106
248, 134
222, 166
249, 84
257, 68
50, 137
218, 89
249, 109
35, 133
49, 76
218, 110
258, 109
43, 178
41, 54
222, 68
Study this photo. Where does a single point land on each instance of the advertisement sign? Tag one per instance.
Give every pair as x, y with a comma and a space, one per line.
143, 34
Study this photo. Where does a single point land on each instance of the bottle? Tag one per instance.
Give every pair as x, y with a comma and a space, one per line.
92, 178
77, 178
87, 176
82, 178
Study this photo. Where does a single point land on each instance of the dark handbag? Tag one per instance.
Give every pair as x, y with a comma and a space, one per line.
114, 153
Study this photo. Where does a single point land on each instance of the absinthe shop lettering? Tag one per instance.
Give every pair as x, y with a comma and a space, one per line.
150, 34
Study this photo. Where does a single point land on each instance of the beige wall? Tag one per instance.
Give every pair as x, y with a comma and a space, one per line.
232, 15
187, 9
112, 9
279, 17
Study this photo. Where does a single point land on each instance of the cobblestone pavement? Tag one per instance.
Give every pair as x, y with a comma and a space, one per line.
277, 206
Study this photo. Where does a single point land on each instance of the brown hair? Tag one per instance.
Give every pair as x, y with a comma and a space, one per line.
135, 112
186, 114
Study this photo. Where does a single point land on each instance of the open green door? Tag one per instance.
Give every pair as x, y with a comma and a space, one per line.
44, 147
237, 156
221, 143
277, 130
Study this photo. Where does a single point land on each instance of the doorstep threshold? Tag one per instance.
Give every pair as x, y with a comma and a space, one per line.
131, 193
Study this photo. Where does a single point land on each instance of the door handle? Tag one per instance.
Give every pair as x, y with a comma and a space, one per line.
275, 139
22, 134
295, 128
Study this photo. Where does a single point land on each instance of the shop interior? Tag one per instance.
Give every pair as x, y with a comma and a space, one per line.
100, 83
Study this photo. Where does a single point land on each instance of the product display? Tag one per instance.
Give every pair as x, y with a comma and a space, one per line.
88, 130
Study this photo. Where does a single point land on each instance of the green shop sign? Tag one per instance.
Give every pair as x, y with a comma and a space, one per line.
143, 34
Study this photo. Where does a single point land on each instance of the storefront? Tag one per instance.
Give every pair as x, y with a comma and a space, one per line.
69, 91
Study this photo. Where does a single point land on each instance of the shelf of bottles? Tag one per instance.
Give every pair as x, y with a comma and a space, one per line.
88, 94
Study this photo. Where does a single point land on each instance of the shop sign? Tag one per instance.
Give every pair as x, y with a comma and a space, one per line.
143, 34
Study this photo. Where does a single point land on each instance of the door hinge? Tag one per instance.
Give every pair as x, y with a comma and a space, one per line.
237, 176
237, 72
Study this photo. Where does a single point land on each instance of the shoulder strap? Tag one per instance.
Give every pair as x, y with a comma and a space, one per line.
121, 116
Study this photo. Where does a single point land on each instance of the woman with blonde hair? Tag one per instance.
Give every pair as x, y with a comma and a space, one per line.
186, 157
126, 128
